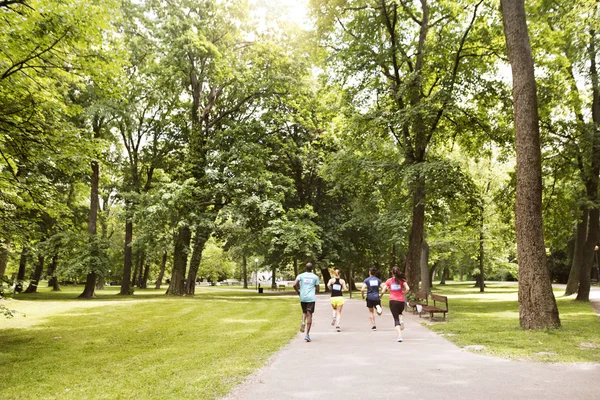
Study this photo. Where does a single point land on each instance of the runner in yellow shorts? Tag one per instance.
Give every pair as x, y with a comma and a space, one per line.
336, 285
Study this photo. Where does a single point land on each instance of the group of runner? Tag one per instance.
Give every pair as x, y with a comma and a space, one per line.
307, 286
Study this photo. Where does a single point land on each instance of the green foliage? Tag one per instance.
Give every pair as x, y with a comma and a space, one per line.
215, 265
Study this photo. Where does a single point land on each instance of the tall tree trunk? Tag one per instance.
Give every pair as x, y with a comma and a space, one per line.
425, 282
273, 277
144, 281
326, 277
576, 263
444, 275
481, 252
245, 271
180, 256
200, 239
37, 275
139, 266
128, 258
90, 282
52, 278
415, 242
161, 274
21, 271
295, 267
4, 250
537, 305
583, 293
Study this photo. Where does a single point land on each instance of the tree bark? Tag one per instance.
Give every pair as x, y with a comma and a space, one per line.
481, 252
144, 280
37, 274
4, 249
161, 274
415, 242
245, 271
425, 282
90, 282
52, 278
21, 271
444, 275
200, 239
537, 305
180, 256
583, 293
128, 258
576, 263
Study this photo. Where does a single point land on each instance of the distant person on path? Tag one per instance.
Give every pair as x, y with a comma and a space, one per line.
307, 285
398, 287
371, 286
336, 285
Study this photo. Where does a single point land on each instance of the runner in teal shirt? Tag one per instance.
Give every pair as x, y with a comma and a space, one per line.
307, 285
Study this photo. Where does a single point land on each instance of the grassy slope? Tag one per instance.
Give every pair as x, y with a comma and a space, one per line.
491, 319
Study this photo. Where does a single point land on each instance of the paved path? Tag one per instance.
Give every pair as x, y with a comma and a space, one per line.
360, 364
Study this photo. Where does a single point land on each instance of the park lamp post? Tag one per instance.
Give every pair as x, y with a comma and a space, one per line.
256, 269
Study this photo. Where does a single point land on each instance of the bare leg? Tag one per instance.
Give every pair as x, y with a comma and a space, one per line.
308, 322
372, 316
338, 315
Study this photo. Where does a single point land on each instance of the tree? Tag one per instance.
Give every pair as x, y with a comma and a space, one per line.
408, 63
537, 305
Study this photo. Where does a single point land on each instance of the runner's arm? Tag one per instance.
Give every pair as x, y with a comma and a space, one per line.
383, 290
405, 288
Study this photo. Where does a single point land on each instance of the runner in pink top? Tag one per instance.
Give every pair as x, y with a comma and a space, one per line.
397, 286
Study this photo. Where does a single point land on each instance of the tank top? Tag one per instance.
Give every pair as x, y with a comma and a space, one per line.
336, 288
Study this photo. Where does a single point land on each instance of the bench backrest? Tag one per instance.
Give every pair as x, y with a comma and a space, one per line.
421, 295
439, 299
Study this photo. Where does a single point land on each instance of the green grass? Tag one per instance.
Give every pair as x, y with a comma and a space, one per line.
143, 347
491, 320
149, 346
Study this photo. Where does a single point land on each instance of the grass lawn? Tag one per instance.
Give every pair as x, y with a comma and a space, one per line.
489, 323
146, 346
149, 346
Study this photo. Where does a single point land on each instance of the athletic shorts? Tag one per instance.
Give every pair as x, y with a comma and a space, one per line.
337, 301
373, 303
308, 307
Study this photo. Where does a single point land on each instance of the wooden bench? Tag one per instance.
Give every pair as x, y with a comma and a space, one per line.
421, 299
438, 303
281, 288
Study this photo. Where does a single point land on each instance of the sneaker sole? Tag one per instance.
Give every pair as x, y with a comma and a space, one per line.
301, 328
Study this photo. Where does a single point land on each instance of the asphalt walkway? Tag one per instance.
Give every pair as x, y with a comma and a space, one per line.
358, 363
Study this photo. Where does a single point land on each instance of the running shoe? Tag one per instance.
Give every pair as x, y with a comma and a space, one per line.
333, 321
307, 338
302, 325
374, 328
399, 339
378, 309
337, 328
